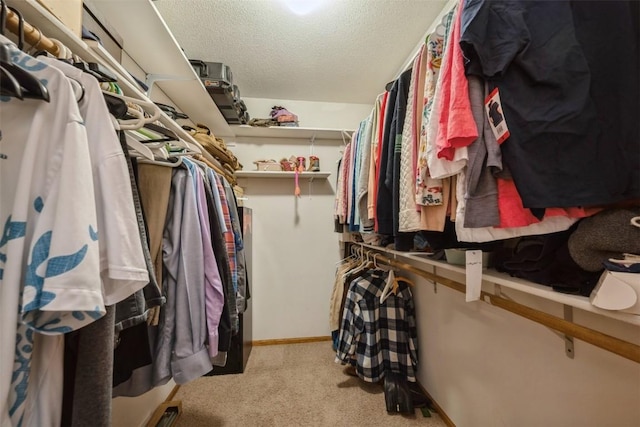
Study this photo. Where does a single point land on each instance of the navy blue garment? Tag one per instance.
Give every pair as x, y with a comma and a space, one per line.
384, 204
403, 241
567, 72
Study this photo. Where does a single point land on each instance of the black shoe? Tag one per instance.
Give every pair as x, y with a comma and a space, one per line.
419, 398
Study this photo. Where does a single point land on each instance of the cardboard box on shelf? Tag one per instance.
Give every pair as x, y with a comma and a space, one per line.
69, 12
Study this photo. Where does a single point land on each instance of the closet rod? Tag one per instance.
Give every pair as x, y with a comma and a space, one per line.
607, 342
32, 35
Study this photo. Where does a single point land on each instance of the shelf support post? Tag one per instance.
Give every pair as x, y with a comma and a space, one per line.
568, 340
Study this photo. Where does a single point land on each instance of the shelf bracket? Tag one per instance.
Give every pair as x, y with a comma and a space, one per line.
435, 283
347, 135
312, 141
568, 316
150, 79
569, 350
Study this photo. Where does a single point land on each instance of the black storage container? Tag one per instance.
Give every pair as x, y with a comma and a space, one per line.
218, 80
218, 74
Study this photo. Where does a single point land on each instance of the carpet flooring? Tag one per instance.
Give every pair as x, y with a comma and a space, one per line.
290, 385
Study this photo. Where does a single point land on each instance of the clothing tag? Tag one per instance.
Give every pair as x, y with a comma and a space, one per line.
493, 107
474, 275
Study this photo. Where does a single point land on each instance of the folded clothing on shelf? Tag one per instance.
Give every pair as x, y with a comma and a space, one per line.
214, 146
268, 165
283, 117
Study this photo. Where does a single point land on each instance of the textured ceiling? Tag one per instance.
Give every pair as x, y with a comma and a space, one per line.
343, 51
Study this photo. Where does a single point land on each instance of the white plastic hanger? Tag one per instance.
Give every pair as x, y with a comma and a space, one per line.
180, 142
139, 147
366, 263
388, 287
149, 107
177, 163
63, 51
130, 124
392, 283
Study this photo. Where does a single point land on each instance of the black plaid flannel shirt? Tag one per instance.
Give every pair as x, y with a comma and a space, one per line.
382, 336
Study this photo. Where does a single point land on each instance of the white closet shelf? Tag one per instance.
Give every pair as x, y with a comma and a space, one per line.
289, 132
150, 43
285, 175
490, 276
40, 17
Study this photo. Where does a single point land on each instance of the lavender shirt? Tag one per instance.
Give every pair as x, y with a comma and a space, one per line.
214, 294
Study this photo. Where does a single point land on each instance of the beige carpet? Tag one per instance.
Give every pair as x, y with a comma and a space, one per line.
290, 385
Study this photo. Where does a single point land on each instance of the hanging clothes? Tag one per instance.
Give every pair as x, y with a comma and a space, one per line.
125, 265
365, 224
222, 259
409, 215
384, 204
485, 160
584, 150
382, 336
50, 280
241, 293
181, 353
230, 244
442, 167
429, 190
213, 292
376, 122
403, 241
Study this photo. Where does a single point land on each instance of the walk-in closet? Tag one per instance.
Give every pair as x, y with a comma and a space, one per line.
319, 213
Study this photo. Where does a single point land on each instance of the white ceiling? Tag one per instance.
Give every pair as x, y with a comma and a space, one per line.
345, 51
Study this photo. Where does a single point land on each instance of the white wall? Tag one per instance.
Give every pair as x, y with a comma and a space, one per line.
488, 367
294, 246
313, 114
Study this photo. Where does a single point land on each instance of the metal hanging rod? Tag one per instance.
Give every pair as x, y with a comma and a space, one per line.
32, 35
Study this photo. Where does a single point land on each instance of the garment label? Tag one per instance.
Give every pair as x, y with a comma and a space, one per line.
474, 275
493, 107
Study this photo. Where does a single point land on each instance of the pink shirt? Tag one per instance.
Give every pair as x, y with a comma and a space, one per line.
513, 213
456, 126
